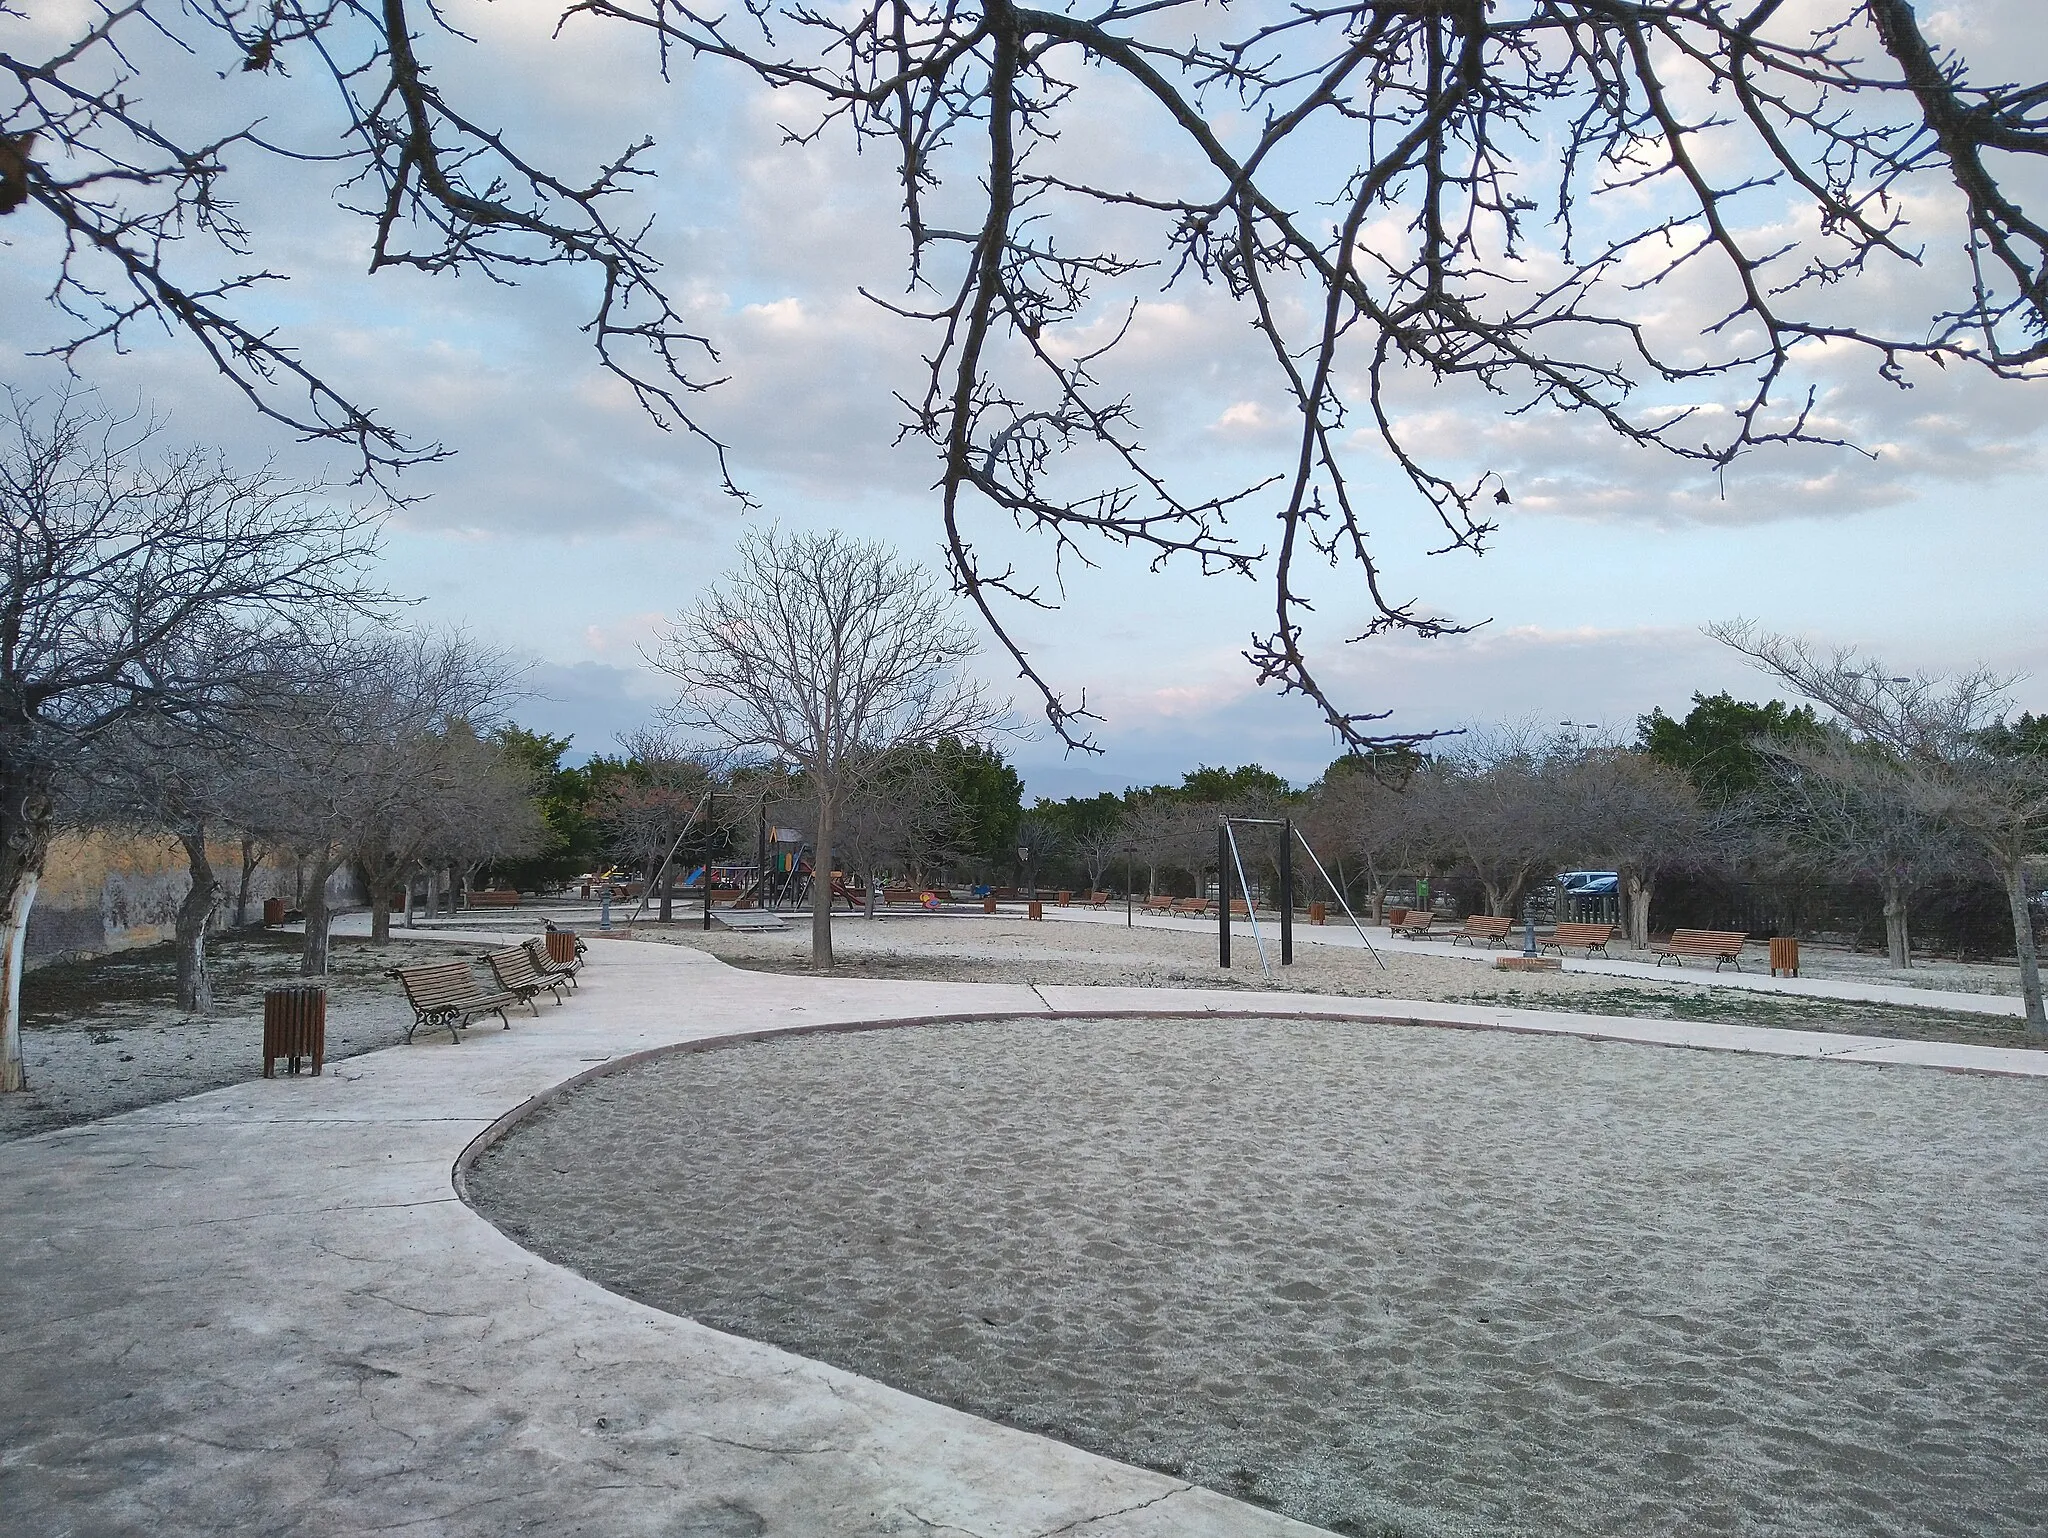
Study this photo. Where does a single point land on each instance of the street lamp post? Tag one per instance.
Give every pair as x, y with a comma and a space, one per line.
1130, 852
1030, 872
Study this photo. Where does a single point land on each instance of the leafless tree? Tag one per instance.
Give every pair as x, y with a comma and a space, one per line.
1361, 814
1841, 809
155, 776
1943, 738
136, 586
1492, 810
827, 652
369, 764
1619, 807
647, 811
1506, 194
1096, 844
894, 816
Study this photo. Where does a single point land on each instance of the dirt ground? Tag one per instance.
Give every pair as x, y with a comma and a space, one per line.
105, 1034
973, 949
1389, 1281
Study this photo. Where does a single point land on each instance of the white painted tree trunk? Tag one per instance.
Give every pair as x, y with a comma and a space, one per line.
13, 946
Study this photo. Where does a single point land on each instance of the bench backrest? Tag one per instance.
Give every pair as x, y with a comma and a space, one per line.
1585, 934
434, 983
1417, 920
1159, 902
1708, 939
514, 966
1487, 924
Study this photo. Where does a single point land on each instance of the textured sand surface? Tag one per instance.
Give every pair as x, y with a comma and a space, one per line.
1392, 1281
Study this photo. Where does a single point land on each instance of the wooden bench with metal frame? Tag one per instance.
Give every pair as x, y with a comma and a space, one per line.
1416, 926
1722, 945
1484, 926
519, 975
446, 994
1593, 936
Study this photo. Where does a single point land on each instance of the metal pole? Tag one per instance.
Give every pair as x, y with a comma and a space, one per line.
1250, 912
1223, 895
1287, 895
761, 858
710, 803
1338, 892
1127, 891
1529, 925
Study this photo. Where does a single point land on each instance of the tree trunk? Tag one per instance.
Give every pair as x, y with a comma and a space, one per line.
1897, 942
250, 861
872, 893
380, 913
195, 983
313, 955
821, 886
1637, 890
2023, 942
24, 843
1496, 901
668, 892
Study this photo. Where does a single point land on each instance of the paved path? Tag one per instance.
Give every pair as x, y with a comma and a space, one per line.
263, 1310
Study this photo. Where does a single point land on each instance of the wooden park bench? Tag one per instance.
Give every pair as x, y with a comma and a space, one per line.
1190, 907
1723, 945
519, 975
1482, 926
1096, 899
548, 965
1159, 905
1416, 925
490, 900
1593, 936
1239, 908
446, 993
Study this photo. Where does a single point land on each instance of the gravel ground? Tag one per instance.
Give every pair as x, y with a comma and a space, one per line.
1389, 1281
105, 1034
973, 949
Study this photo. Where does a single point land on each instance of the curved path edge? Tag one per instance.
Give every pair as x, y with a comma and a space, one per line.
265, 1309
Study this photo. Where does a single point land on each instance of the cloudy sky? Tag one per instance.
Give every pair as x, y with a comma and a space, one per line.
566, 527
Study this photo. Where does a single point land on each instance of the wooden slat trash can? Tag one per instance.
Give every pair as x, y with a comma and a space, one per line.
561, 945
1784, 956
1318, 913
295, 1026
273, 912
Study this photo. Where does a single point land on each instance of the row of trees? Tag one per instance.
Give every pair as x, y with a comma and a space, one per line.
194, 652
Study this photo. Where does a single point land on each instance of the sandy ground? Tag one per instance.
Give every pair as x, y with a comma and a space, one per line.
974, 949
106, 1034
1394, 1282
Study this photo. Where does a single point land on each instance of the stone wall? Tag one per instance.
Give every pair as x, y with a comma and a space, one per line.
104, 891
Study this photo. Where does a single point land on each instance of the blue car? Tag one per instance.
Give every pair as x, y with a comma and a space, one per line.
1590, 883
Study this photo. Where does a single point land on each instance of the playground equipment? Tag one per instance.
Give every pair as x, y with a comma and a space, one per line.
1228, 856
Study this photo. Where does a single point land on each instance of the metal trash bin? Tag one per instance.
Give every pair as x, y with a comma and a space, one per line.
295, 1026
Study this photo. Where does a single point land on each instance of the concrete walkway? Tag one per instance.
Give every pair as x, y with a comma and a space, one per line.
264, 1309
